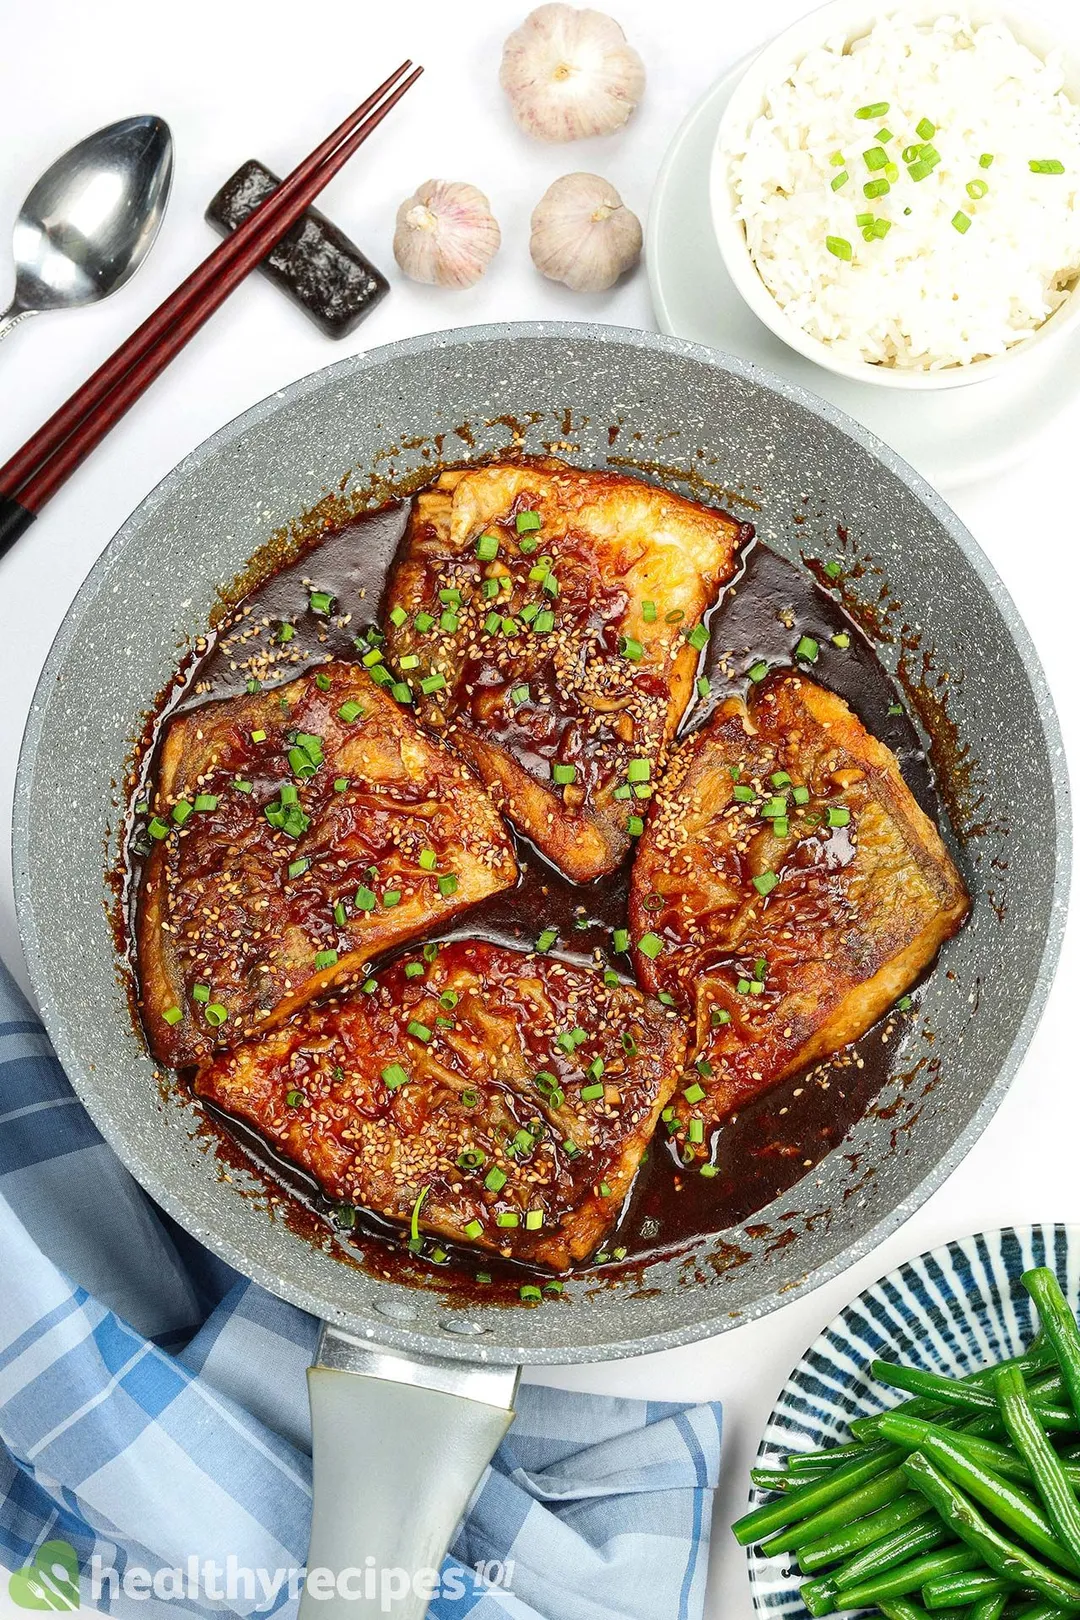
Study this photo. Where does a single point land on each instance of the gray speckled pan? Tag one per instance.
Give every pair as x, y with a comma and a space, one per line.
682, 410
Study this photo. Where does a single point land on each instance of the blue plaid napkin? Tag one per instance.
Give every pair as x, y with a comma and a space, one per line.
154, 1434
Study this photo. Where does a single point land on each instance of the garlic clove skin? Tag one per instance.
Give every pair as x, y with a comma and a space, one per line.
446, 234
570, 73
583, 234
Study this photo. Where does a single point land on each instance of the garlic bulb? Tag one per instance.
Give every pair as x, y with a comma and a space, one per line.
446, 234
583, 233
570, 73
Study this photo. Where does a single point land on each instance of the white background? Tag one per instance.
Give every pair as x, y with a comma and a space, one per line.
239, 79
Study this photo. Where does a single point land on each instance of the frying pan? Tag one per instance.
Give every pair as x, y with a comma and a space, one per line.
410, 1394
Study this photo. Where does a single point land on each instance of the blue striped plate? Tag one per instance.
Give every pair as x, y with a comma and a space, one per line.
952, 1310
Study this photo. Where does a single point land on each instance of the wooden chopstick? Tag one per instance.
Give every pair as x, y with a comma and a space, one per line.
35, 472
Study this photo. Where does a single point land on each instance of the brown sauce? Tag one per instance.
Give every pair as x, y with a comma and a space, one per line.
771, 1144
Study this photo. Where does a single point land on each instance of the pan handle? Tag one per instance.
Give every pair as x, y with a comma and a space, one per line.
398, 1447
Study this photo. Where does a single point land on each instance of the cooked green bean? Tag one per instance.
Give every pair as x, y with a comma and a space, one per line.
1048, 1473
804, 1462
989, 1608
899, 1608
1059, 1326
951, 1391
799, 1504
907, 1543
1006, 1501
1002, 1556
1035, 1359
816, 1555
876, 1493
970, 1586
1004, 1460
908, 1578
771, 1479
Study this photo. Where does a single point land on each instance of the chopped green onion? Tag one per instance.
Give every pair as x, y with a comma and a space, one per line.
976, 189
742, 794
519, 694
206, 801
718, 1016
650, 945
325, 959
547, 939
526, 522
408, 661
414, 970
638, 770
620, 939
841, 640
675, 616
473, 1230
758, 671
351, 711
807, 649
801, 795
181, 811
698, 637
365, 899
837, 815
398, 616
766, 883
448, 1000
428, 860
925, 130
839, 180
391, 897
623, 791
507, 1217
591, 1093
423, 622
448, 884
487, 547
369, 986
904, 1004
470, 1098
837, 160
293, 1099
491, 588
1046, 166
200, 992
694, 1093
635, 826
648, 612
530, 1293
298, 868
631, 649
881, 228
708, 1170
563, 773
544, 623
216, 1014
432, 683
985, 160
451, 596
495, 1180
876, 188
370, 659
839, 247
320, 601
875, 157
961, 222
702, 686
875, 109
394, 1076
774, 807
884, 135
862, 220
172, 1015
920, 170
402, 691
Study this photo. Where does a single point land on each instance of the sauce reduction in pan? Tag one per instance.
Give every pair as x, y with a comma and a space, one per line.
771, 1144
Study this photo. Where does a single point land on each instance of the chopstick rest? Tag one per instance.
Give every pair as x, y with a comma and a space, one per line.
316, 264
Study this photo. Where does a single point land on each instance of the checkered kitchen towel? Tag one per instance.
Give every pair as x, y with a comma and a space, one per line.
153, 1418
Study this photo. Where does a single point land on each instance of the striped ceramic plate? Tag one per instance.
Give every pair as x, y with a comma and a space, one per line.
951, 1310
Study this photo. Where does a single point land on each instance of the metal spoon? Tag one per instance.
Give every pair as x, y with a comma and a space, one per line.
91, 219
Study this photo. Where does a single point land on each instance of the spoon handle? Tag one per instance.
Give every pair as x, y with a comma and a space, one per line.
11, 318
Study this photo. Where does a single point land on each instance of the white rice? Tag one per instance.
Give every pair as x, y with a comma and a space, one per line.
926, 295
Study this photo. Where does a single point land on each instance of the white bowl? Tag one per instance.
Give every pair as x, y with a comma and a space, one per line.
851, 19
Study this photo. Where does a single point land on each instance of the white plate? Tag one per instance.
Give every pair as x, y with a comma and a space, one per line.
952, 437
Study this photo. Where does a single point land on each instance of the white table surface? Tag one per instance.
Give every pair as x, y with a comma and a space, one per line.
242, 79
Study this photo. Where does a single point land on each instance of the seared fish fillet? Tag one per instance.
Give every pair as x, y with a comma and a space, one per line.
488, 1096
550, 609
301, 831
789, 888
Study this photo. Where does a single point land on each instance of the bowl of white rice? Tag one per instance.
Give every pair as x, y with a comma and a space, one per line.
896, 192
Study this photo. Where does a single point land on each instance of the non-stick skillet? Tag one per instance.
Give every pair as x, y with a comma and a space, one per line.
398, 1447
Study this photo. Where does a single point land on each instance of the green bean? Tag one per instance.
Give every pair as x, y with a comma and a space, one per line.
970, 1586
1035, 1359
1059, 1326
1027, 1436
989, 1608
907, 1543
1002, 1556
1007, 1502
1004, 1460
908, 1578
805, 1462
898, 1608
875, 1493
772, 1479
951, 1391
799, 1504
816, 1555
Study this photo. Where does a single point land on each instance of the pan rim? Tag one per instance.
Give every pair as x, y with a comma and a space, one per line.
490, 1349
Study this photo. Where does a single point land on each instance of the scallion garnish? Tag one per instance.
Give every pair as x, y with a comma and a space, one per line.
876, 188
216, 1014
650, 945
320, 601
976, 189
961, 222
875, 109
487, 547
925, 130
648, 612
985, 160
525, 522
547, 939
394, 1075
631, 649
875, 157
807, 649
698, 637
839, 180
563, 774
172, 1015
758, 671
837, 815
839, 247
1046, 166
325, 959
448, 884
635, 826
765, 883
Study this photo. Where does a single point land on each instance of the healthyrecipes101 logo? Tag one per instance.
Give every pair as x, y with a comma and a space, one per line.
51, 1581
